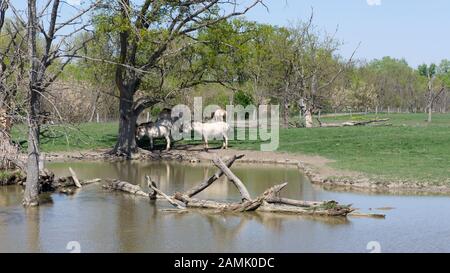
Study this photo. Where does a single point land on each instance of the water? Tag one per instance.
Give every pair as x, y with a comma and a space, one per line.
103, 221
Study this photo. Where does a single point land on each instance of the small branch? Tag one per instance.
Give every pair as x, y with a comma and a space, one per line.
75, 178
171, 200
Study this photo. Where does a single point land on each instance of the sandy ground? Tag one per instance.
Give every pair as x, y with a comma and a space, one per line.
315, 167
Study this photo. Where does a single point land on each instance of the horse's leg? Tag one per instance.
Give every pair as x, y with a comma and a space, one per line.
205, 139
151, 143
168, 142
225, 142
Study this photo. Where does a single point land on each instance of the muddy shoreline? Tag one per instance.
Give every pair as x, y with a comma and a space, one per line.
315, 167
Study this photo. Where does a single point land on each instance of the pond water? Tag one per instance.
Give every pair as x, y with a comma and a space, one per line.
103, 221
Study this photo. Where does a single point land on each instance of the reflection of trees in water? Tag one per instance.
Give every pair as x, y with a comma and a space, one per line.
132, 228
127, 170
33, 229
11, 195
225, 227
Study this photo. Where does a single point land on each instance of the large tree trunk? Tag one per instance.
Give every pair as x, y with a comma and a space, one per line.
126, 142
31, 196
32, 184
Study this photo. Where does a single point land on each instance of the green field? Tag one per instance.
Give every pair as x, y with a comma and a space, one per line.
409, 149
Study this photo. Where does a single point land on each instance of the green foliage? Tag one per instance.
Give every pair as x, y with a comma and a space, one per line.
242, 98
427, 70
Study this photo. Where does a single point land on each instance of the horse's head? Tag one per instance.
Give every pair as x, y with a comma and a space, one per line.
140, 132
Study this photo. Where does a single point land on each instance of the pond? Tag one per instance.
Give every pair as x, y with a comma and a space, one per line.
104, 221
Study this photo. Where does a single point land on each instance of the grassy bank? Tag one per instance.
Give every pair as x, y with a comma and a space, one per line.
85, 136
410, 149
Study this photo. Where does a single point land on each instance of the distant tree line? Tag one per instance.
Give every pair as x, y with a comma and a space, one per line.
240, 61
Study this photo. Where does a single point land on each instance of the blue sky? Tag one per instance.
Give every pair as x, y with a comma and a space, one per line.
417, 30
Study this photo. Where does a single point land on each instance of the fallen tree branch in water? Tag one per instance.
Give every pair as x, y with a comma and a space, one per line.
125, 187
200, 187
233, 178
171, 200
269, 201
75, 178
367, 215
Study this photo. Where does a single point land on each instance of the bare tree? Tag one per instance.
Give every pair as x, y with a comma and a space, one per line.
434, 88
57, 52
317, 68
32, 183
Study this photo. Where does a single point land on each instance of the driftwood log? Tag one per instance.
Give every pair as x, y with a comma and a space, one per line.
126, 187
48, 182
269, 201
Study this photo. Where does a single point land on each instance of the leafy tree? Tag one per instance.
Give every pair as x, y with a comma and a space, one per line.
149, 33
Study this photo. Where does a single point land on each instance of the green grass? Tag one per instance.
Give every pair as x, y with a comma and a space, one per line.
410, 149
85, 136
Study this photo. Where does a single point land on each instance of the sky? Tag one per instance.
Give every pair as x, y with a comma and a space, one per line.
417, 30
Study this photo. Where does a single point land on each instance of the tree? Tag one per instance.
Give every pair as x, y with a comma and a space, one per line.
259, 65
434, 86
316, 68
147, 33
45, 67
444, 75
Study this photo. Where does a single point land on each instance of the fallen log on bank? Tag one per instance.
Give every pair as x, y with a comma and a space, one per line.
351, 123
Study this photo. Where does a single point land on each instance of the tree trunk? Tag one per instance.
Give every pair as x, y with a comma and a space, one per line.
31, 196
285, 112
126, 142
32, 184
430, 111
308, 119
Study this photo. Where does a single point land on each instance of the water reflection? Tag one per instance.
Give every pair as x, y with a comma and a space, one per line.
115, 222
32, 216
173, 177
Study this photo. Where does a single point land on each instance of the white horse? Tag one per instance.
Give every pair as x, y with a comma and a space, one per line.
211, 130
219, 115
153, 131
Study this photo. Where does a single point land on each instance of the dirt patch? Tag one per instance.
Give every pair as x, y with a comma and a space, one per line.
317, 168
